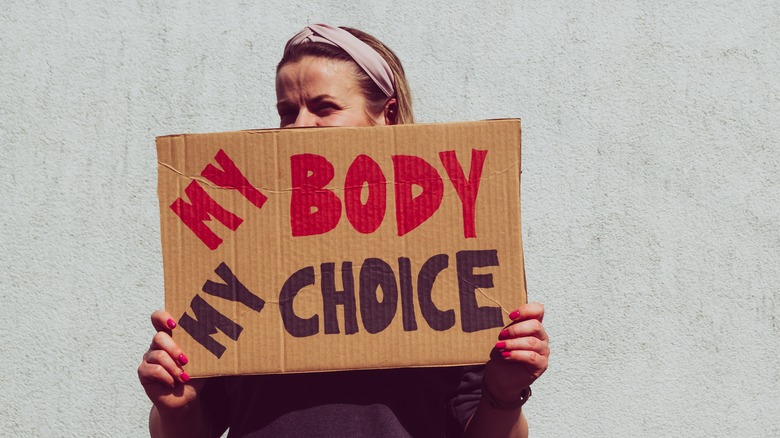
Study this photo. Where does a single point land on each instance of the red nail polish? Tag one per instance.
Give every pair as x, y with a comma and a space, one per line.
514, 315
504, 333
183, 359
506, 353
185, 377
171, 324
501, 345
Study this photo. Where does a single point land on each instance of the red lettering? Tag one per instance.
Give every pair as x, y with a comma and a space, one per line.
411, 211
467, 188
193, 215
365, 218
231, 177
310, 174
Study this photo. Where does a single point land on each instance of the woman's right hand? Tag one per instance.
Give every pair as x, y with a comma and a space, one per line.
161, 373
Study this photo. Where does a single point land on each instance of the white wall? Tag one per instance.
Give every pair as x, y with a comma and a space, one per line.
651, 191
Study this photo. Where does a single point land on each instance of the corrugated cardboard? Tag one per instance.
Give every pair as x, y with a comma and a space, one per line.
293, 250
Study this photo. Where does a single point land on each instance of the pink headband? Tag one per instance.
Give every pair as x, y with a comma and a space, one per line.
367, 58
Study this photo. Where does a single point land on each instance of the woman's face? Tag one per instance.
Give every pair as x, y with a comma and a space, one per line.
321, 92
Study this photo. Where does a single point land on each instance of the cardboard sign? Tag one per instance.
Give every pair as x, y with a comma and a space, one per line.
292, 250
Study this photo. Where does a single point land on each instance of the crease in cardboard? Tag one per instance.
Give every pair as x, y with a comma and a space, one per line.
239, 313
279, 219
485, 294
208, 183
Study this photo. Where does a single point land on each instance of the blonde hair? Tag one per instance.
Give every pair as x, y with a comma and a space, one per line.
374, 96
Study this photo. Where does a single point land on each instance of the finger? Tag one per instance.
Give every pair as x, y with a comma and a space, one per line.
535, 362
158, 367
163, 359
163, 341
152, 373
528, 311
530, 327
528, 343
163, 321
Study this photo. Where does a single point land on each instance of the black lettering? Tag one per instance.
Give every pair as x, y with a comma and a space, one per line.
407, 298
232, 290
437, 319
473, 317
295, 325
206, 322
376, 315
332, 298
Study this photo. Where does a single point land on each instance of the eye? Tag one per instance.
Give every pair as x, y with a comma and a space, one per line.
287, 115
326, 108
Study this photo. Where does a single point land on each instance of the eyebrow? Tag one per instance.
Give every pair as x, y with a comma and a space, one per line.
284, 103
322, 97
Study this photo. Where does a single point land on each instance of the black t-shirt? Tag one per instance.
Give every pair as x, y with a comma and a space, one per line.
417, 402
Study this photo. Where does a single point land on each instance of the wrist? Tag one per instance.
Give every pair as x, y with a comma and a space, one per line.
180, 421
502, 402
183, 410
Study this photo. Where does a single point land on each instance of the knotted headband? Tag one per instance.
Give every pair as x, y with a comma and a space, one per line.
367, 58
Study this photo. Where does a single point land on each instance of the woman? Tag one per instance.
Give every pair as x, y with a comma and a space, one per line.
343, 77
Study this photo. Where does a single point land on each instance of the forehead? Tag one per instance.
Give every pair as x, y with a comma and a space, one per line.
312, 75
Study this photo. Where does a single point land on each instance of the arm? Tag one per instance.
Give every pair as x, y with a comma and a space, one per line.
519, 358
190, 422
176, 409
490, 422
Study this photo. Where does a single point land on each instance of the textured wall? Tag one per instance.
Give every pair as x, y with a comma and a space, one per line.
650, 190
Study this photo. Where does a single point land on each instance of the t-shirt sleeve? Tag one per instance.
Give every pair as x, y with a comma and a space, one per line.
465, 399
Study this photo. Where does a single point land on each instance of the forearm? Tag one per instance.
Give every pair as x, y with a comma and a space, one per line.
490, 422
517, 360
190, 423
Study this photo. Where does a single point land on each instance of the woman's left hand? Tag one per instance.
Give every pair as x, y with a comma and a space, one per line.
520, 355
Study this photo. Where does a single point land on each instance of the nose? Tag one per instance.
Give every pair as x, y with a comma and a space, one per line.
304, 119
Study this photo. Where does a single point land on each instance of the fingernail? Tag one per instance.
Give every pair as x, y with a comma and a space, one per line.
171, 324
183, 359
514, 315
500, 345
506, 353
504, 333
185, 377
